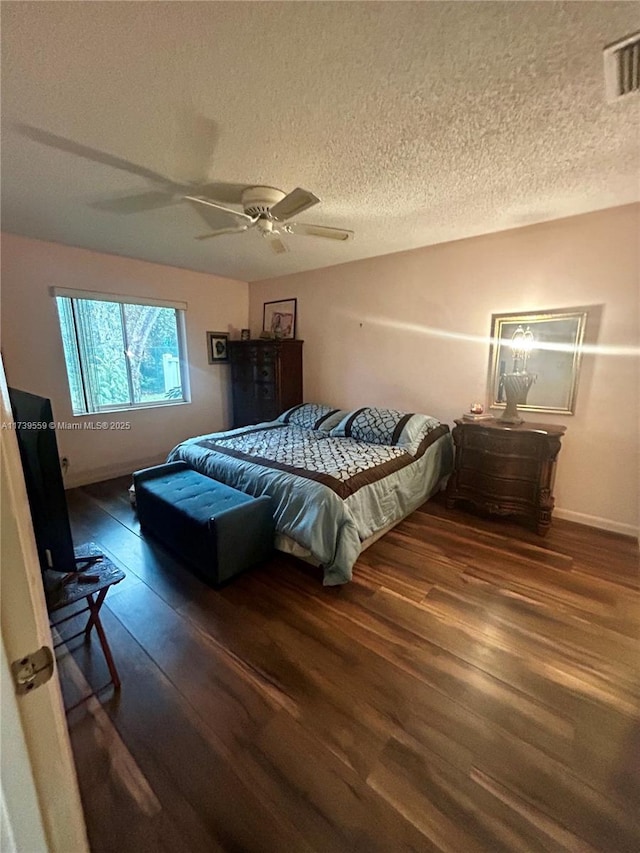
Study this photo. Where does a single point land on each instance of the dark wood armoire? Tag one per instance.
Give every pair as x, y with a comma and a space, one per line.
266, 377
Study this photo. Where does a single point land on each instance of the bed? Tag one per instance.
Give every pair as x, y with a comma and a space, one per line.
338, 479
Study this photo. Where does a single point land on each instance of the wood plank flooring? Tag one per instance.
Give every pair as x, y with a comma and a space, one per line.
475, 688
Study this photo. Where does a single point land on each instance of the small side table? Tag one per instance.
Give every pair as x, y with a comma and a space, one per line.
105, 575
506, 469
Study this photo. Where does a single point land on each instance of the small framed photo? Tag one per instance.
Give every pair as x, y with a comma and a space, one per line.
218, 347
245, 334
279, 318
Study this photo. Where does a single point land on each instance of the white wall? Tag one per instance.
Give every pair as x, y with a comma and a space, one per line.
34, 359
391, 331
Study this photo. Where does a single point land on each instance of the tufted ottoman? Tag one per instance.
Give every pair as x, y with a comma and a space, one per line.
219, 530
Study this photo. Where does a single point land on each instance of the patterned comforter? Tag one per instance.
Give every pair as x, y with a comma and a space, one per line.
330, 494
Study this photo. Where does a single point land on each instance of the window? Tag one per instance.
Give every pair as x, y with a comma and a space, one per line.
121, 354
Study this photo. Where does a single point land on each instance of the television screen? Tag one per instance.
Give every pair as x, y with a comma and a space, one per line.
36, 435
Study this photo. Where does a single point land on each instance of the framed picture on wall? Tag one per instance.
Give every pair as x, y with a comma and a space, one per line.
218, 347
279, 318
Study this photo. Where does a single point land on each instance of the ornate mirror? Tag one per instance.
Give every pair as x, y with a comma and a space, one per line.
543, 350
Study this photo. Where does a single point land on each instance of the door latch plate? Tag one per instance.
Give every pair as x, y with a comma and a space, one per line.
32, 670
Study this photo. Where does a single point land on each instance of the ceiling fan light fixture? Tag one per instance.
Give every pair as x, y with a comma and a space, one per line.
265, 227
258, 205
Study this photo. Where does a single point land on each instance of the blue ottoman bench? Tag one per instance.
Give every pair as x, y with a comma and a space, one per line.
218, 530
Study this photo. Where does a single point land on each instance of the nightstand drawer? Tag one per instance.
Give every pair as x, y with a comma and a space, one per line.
491, 486
503, 443
510, 467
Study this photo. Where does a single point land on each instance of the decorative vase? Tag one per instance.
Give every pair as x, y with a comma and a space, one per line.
516, 387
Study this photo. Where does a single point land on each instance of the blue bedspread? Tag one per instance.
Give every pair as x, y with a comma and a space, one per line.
330, 494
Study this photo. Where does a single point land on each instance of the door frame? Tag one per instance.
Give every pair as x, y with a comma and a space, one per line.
40, 731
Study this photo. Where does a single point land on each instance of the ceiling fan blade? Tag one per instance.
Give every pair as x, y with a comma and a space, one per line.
137, 203
214, 204
222, 231
292, 204
304, 230
277, 246
194, 140
222, 192
71, 147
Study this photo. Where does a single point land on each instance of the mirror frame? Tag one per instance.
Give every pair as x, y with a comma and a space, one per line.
572, 346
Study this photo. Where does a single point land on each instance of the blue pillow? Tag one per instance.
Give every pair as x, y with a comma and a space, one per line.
386, 426
311, 416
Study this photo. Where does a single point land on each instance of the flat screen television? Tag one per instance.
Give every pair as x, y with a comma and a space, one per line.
36, 435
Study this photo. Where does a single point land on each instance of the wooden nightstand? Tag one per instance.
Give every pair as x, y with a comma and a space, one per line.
507, 469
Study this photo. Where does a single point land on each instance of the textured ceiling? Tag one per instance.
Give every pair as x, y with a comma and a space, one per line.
415, 123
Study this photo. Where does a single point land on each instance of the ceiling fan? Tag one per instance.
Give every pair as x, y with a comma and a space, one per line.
269, 210
265, 208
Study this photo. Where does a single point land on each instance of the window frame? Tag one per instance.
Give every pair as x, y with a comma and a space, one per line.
179, 308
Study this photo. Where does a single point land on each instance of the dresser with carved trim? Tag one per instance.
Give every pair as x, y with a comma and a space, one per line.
506, 469
266, 379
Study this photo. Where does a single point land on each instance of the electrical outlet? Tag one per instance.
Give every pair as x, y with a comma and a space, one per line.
64, 463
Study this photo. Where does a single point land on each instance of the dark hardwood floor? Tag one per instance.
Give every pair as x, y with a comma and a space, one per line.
474, 688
